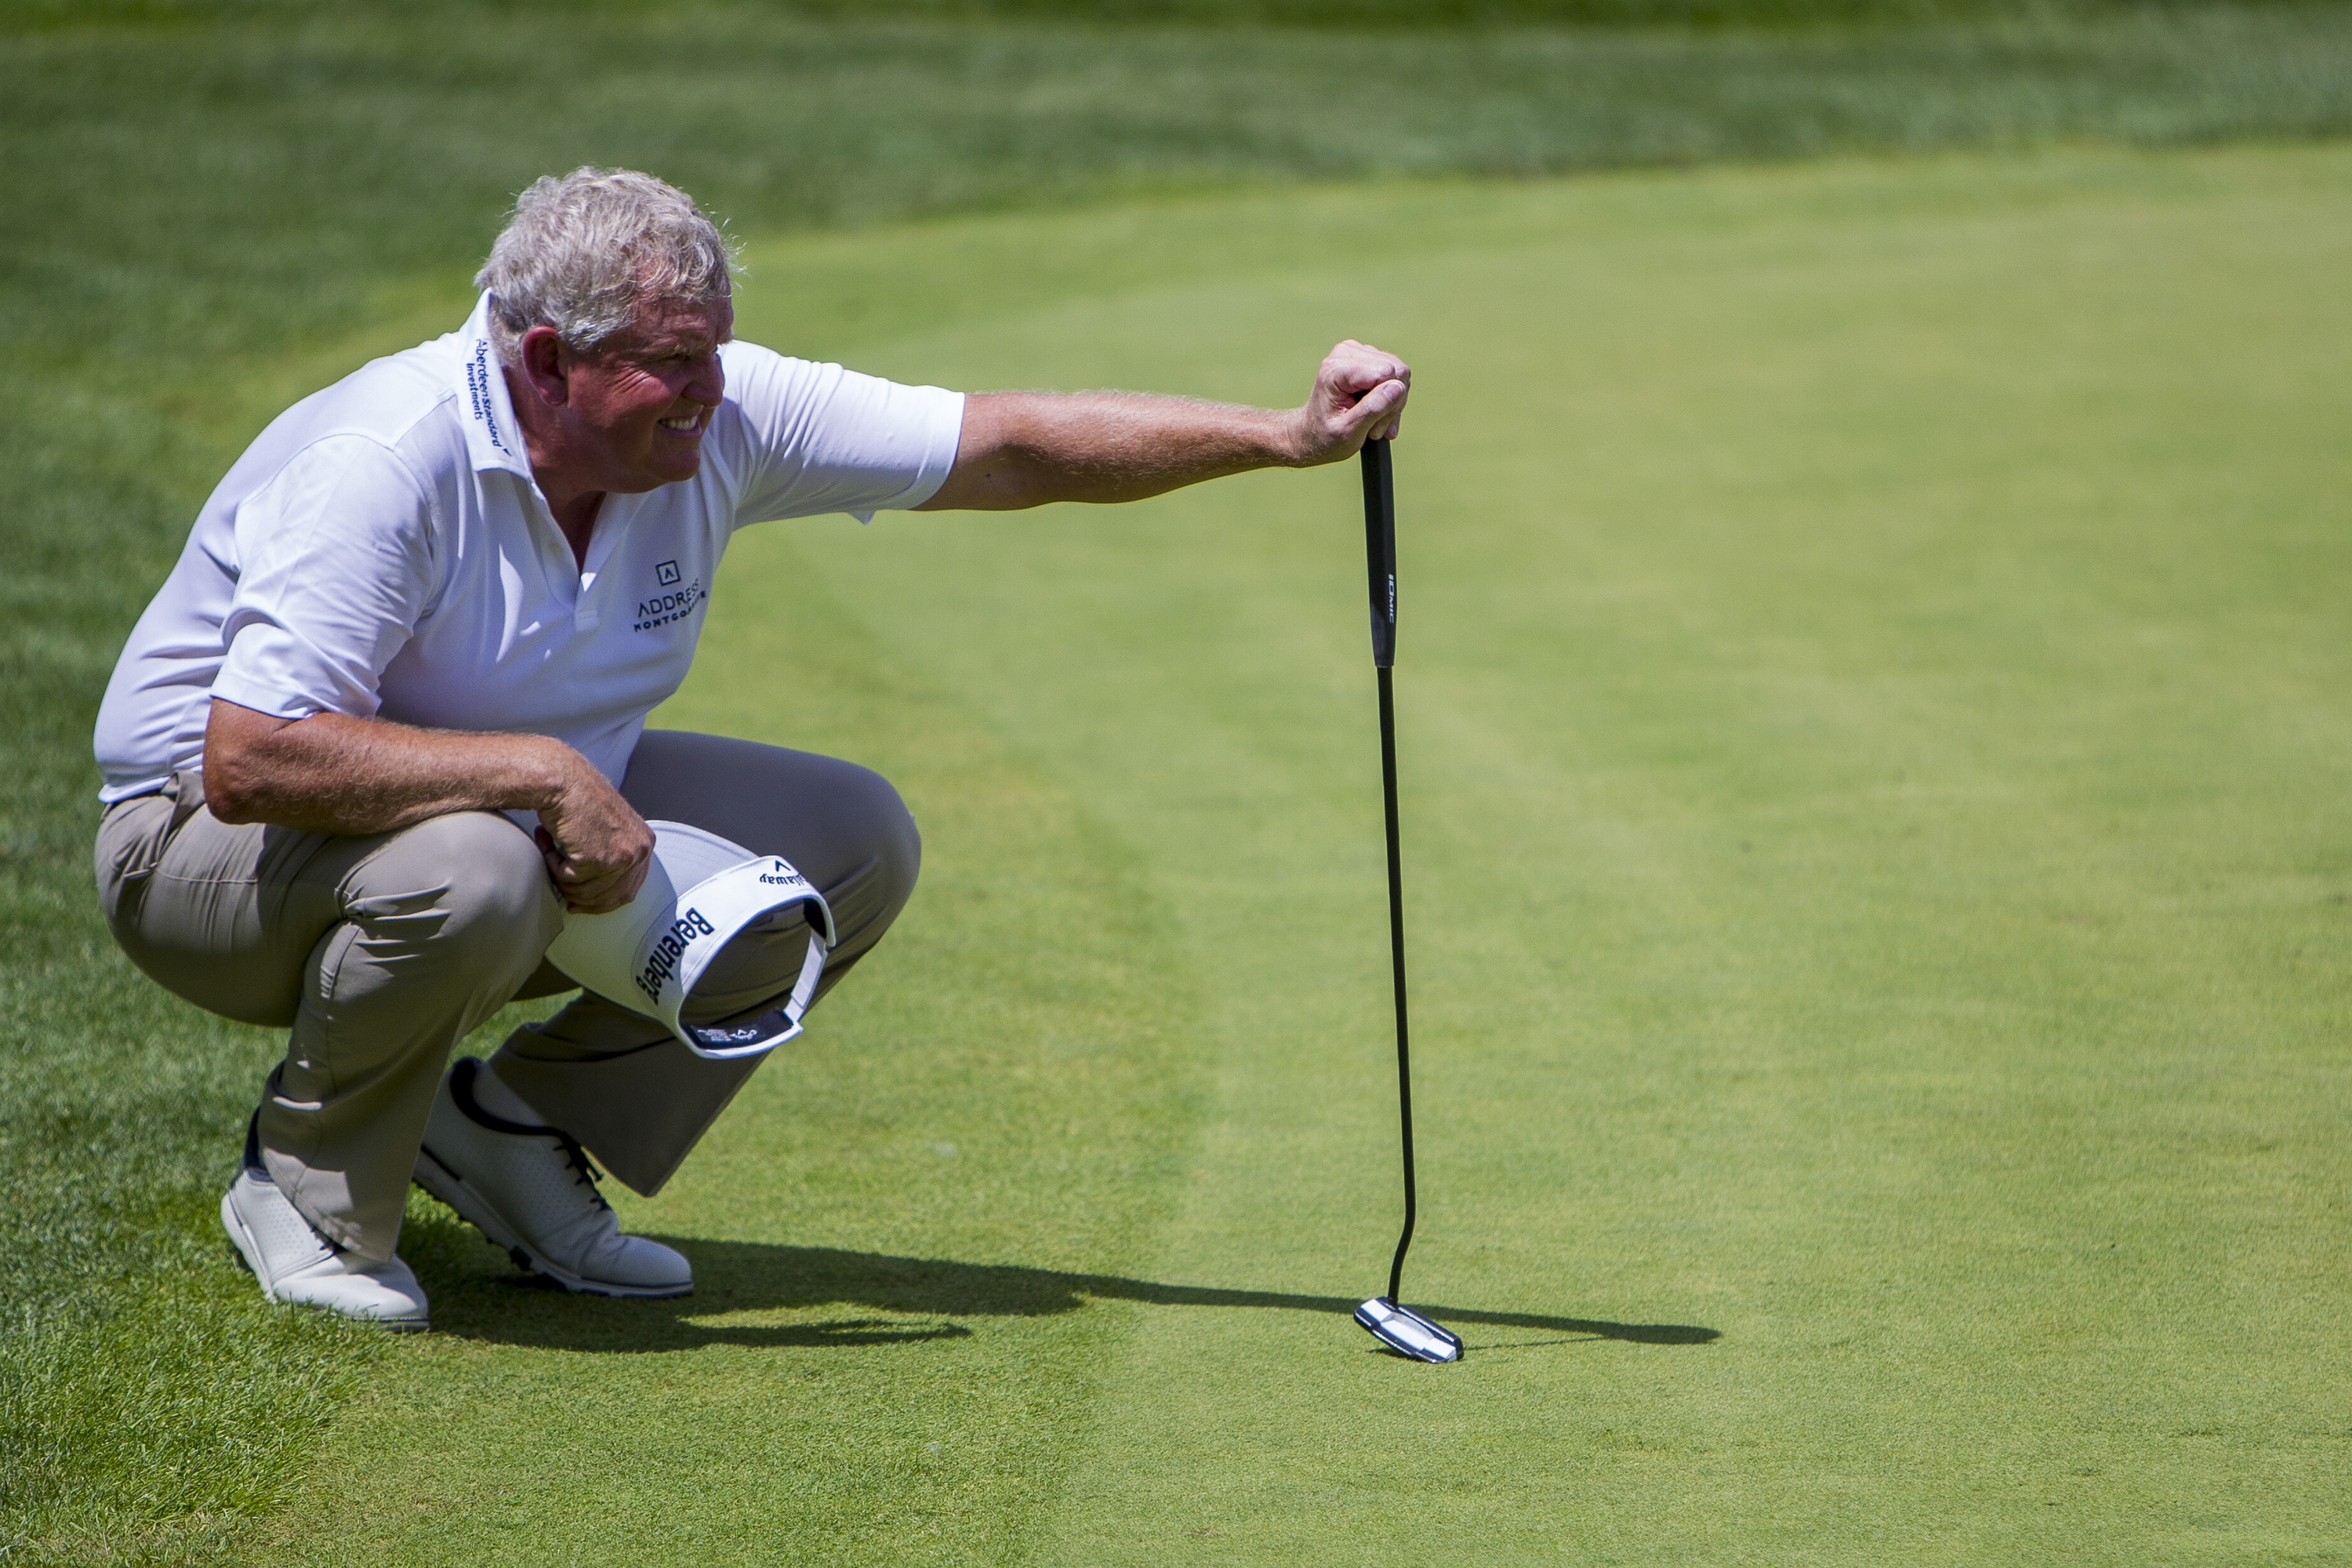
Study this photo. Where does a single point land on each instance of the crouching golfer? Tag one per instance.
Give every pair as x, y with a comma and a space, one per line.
384, 723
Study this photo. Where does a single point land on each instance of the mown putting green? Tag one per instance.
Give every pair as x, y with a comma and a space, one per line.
1875, 718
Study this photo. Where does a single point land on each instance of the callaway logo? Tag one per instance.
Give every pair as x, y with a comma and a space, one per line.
663, 961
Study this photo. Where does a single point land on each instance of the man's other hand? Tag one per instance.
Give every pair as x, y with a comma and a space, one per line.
1360, 396
597, 847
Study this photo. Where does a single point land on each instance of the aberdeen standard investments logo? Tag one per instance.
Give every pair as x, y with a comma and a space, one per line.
477, 388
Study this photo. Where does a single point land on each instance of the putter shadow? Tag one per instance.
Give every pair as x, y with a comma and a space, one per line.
740, 1277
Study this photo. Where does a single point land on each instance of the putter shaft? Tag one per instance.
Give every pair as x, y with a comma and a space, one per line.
1396, 963
1379, 562
1387, 1318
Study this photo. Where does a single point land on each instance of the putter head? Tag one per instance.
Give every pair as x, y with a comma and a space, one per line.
1406, 1331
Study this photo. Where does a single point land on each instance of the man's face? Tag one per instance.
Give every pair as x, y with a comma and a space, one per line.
641, 401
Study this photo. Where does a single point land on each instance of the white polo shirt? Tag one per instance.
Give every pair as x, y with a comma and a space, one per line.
381, 550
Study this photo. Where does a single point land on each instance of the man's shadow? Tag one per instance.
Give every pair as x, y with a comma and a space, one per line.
734, 1277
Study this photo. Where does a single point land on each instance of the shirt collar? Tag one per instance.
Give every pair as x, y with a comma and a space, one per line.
492, 436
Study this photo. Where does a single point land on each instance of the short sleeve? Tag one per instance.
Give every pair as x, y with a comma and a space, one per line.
814, 438
336, 568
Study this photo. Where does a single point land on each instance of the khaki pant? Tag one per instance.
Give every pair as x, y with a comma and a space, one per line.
381, 951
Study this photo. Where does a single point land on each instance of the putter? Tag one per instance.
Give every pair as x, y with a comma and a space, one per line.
1386, 1318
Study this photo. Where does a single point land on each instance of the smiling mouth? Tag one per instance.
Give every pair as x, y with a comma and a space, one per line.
684, 423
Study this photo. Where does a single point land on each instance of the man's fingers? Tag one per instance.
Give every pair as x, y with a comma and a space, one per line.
1376, 414
633, 880
592, 888
1359, 395
1357, 367
602, 893
598, 849
555, 861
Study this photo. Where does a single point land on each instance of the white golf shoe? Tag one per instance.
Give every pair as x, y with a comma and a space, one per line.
294, 1263
531, 1190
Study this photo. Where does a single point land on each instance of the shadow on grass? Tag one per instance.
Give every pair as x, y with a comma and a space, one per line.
748, 1277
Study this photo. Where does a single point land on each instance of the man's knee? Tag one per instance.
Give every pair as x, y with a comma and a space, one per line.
890, 832
842, 825
859, 847
469, 886
884, 856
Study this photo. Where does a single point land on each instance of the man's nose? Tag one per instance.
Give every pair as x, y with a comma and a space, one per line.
708, 383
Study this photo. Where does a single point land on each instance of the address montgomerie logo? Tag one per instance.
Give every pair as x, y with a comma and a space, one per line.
662, 609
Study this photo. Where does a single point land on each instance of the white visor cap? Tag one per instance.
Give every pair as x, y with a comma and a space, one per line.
701, 893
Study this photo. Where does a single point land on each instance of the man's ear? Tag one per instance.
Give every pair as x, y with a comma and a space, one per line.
542, 363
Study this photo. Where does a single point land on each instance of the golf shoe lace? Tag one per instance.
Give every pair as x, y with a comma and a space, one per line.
584, 1171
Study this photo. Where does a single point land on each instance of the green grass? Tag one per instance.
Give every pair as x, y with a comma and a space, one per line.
1873, 726
1873, 721
1420, 16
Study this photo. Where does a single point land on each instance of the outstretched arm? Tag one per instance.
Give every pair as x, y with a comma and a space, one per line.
1026, 448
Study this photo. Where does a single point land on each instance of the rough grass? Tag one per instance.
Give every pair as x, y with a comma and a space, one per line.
185, 194
213, 210
1419, 16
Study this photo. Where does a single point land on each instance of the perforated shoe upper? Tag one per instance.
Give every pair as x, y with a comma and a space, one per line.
294, 1263
532, 1189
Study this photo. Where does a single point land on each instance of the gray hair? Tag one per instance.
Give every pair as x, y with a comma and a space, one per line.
582, 253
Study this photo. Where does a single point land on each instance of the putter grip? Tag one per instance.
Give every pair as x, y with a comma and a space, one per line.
1379, 549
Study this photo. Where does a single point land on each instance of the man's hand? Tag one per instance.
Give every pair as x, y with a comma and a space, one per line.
1026, 448
597, 847
334, 774
1360, 396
